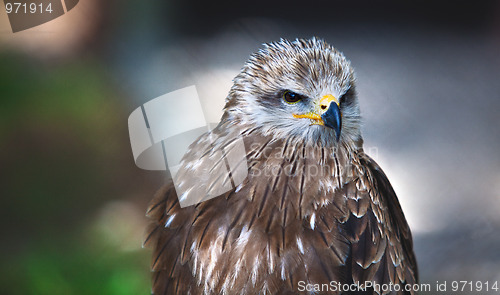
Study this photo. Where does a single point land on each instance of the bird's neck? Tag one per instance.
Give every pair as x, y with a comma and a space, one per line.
311, 173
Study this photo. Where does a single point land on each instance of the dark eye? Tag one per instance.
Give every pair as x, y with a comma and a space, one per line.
291, 97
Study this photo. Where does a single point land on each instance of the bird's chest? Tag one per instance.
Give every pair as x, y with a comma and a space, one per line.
278, 227
268, 252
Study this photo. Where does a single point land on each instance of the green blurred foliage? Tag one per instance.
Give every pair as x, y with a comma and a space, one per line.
64, 155
77, 268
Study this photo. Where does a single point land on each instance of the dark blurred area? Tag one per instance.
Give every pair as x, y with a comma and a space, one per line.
73, 201
198, 18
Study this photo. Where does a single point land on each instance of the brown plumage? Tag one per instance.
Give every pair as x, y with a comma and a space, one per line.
314, 208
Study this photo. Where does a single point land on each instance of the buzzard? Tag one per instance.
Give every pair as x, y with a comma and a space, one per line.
314, 215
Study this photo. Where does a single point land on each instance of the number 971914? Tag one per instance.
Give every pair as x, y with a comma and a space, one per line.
25, 8
474, 286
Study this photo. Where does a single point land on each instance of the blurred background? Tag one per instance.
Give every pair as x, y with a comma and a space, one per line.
73, 201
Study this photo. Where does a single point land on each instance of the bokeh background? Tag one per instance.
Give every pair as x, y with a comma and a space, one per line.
73, 201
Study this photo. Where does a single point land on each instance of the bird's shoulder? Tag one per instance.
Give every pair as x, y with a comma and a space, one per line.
381, 243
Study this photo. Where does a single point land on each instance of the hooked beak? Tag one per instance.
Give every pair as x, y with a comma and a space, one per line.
332, 117
329, 114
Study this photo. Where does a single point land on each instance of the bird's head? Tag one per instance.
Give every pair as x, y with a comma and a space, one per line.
302, 89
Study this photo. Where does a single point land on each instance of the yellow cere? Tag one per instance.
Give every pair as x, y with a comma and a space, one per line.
325, 101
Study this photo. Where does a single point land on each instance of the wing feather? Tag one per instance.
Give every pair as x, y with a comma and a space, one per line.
381, 243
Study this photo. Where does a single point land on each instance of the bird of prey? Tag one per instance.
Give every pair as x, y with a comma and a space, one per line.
314, 215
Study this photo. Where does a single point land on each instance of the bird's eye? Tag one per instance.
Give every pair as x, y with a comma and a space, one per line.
291, 97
